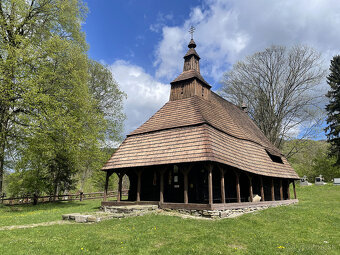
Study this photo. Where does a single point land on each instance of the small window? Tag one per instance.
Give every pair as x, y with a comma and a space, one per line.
202, 92
182, 89
274, 158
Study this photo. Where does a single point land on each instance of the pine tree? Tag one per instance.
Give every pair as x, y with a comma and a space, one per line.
333, 108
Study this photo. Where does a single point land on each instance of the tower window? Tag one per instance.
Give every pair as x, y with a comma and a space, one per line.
202, 92
182, 89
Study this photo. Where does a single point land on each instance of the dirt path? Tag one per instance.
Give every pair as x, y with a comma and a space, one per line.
58, 222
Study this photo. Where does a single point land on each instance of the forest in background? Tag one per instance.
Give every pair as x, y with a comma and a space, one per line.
312, 159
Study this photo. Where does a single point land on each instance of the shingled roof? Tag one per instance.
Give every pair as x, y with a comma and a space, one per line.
191, 74
194, 129
201, 127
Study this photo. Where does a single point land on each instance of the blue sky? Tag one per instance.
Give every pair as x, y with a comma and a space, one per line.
130, 29
143, 41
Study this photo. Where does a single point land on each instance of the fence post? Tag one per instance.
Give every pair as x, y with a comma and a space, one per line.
81, 196
35, 199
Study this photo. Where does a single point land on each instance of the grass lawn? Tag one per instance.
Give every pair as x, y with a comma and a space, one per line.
310, 227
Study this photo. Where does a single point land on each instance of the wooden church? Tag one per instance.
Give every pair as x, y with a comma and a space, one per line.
199, 151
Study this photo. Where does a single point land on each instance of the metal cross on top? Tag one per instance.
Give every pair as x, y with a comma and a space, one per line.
191, 31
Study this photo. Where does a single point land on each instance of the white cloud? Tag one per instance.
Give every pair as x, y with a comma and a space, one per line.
227, 31
160, 21
170, 53
145, 95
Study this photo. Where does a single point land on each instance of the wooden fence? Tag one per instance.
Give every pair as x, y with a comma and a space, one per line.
68, 197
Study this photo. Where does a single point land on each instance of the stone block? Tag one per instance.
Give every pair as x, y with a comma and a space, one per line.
224, 214
81, 218
93, 219
72, 216
215, 213
65, 216
205, 213
256, 198
118, 215
154, 207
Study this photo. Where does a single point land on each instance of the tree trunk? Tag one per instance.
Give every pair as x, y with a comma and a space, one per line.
2, 161
3, 141
55, 188
2, 153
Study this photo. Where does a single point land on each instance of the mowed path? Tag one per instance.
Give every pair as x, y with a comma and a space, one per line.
58, 222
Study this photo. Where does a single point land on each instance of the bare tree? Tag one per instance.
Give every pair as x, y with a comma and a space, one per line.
279, 86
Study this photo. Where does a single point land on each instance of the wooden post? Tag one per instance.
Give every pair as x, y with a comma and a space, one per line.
161, 188
210, 187
139, 182
262, 190
222, 185
108, 174
238, 189
294, 190
250, 188
288, 191
186, 199
272, 189
119, 192
281, 190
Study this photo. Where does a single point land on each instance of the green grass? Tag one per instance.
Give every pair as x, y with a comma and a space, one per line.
28, 214
310, 227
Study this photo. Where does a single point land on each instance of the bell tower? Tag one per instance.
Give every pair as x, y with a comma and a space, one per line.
191, 59
190, 82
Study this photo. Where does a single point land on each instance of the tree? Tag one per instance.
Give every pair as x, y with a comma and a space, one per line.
105, 91
333, 108
325, 165
107, 98
57, 135
26, 29
279, 88
312, 159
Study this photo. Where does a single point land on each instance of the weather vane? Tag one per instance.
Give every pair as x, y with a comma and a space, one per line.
191, 31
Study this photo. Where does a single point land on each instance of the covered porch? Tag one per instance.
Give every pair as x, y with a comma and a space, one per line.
199, 186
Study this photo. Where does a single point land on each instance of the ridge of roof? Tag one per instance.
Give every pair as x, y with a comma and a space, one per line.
247, 125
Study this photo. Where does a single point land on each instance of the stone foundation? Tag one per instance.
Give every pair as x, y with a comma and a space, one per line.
217, 214
230, 210
129, 210
224, 211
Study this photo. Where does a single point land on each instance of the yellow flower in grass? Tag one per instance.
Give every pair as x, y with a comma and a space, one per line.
280, 247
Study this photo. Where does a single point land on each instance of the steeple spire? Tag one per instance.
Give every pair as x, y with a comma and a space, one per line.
190, 82
191, 58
